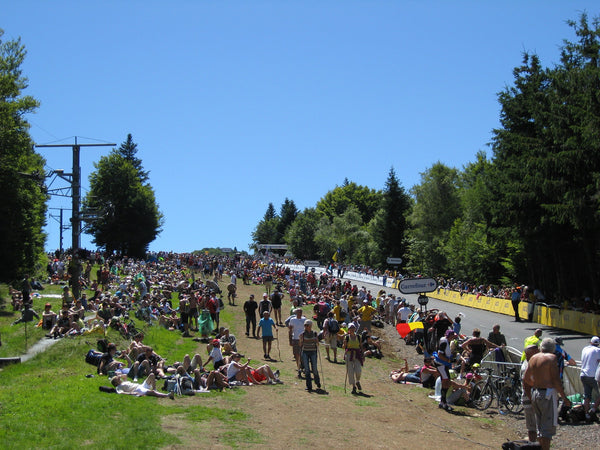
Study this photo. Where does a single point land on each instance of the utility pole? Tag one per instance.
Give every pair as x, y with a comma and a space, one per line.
75, 179
62, 227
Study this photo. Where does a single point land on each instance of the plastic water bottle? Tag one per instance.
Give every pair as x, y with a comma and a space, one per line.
438, 388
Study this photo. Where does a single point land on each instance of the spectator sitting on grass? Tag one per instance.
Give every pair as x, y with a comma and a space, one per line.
148, 362
148, 387
48, 317
108, 362
63, 325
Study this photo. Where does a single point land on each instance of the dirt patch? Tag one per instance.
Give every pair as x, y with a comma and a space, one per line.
286, 416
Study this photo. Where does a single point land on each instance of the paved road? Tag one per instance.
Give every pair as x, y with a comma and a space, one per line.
515, 332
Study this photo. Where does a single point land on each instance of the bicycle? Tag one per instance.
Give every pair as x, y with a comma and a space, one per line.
511, 393
505, 388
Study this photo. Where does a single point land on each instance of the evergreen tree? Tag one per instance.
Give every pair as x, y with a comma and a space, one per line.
287, 216
390, 226
547, 162
128, 150
266, 231
128, 218
22, 204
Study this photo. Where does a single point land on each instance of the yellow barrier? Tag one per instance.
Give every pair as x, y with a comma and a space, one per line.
554, 317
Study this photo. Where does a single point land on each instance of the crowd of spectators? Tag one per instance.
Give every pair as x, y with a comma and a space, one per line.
524, 293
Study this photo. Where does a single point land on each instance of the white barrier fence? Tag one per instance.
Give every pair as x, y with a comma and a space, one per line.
383, 281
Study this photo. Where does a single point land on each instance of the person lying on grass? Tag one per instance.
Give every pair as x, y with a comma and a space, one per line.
247, 375
148, 387
425, 374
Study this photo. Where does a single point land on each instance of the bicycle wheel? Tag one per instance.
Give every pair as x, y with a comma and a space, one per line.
482, 395
511, 399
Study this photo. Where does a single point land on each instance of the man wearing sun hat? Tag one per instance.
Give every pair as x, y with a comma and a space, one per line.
590, 360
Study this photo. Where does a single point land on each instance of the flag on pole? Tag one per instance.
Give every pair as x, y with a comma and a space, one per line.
334, 257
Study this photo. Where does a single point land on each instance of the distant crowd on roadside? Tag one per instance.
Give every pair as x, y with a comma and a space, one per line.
524, 293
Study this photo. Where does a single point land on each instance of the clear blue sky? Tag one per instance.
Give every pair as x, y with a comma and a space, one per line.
237, 104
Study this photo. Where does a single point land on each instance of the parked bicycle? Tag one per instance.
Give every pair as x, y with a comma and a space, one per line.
506, 389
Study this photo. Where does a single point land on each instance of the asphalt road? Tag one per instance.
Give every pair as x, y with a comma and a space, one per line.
515, 332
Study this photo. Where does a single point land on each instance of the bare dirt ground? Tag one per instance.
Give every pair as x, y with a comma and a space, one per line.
388, 414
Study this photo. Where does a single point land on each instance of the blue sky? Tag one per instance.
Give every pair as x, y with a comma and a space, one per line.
237, 104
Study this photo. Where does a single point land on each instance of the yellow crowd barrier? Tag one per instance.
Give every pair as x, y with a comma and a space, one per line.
554, 317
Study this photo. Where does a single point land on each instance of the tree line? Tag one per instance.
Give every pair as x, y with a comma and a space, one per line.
529, 213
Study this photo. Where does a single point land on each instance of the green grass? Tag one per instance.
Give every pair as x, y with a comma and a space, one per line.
48, 402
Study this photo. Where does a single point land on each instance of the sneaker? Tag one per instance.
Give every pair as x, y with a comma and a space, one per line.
271, 382
276, 374
266, 356
278, 381
358, 386
354, 391
135, 380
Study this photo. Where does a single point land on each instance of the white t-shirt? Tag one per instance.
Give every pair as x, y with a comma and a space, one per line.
404, 313
590, 356
344, 305
232, 370
297, 326
216, 354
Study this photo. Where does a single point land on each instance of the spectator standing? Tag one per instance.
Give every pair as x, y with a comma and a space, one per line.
366, 313
542, 385
250, 307
536, 339
527, 407
309, 342
266, 326
495, 337
264, 305
354, 358
590, 365
515, 299
443, 362
331, 327
296, 327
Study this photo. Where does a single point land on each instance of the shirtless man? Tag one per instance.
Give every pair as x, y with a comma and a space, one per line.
541, 383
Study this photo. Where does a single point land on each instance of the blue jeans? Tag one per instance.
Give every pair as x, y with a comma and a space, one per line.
310, 357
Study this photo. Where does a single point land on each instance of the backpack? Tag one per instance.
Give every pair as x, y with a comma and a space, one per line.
93, 357
186, 385
333, 326
323, 309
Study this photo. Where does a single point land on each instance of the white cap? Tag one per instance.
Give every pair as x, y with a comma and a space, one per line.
595, 340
